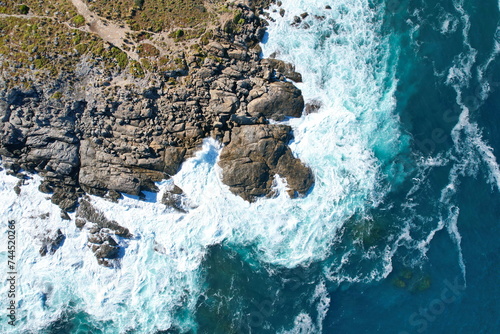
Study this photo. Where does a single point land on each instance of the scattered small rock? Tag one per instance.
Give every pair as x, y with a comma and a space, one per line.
174, 198
51, 244
312, 107
64, 215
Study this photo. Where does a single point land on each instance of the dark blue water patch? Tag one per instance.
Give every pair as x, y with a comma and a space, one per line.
77, 322
484, 18
488, 115
243, 295
432, 297
428, 294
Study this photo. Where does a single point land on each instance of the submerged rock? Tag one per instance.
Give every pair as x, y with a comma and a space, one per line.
52, 243
312, 107
174, 198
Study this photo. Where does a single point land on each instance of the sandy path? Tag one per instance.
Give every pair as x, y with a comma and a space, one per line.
108, 31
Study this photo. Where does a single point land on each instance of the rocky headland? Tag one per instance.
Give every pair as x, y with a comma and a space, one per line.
93, 117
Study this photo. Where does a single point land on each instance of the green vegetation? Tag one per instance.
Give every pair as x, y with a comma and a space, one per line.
237, 17
81, 48
49, 43
205, 39
154, 15
23, 9
179, 33
136, 70
64, 8
120, 56
48, 49
235, 24
57, 95
139, 3
78, 20
40, 43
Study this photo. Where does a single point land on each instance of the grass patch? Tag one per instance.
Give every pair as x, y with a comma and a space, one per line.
57, 95
64, 8
155, 15
136, 69
78, 20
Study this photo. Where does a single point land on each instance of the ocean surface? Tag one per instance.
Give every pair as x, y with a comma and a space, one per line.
400, 233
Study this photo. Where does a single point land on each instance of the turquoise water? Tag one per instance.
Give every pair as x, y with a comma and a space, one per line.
399, 234
424, 258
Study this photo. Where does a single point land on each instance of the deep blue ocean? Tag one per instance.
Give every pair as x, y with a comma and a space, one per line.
439, 221
400, 233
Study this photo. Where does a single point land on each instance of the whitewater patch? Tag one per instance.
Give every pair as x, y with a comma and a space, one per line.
351, 145
136, 296
470, 154
352, 141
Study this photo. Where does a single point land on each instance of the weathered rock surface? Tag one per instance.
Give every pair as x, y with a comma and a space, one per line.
105, 137
101, 234
286, 69
281, 100
257, 153
51, 243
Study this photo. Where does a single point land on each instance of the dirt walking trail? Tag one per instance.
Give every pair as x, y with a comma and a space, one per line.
108, 31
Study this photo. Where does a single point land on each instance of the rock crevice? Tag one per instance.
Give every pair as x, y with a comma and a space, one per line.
107, 134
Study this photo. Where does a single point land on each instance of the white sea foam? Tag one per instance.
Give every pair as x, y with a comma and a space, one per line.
349, 144
470, 152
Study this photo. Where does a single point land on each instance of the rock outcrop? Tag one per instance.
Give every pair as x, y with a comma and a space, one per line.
280, 100
51, 243
175, 198
107, 133
255, 155
102, 233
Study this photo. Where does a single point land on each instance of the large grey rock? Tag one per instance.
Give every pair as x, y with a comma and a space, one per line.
282, 100
222, 102
287, 69
255, 154
100, 170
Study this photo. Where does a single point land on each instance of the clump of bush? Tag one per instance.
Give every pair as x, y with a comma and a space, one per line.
178, 33
122, 59
139, 3
78, 20
57, 95
23, 9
